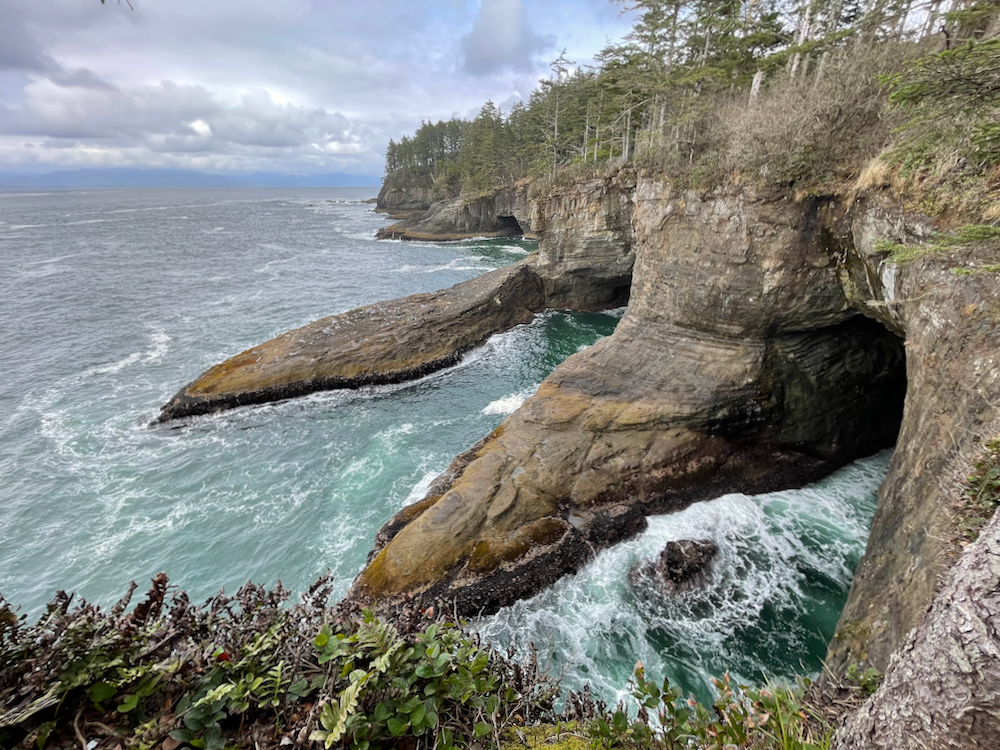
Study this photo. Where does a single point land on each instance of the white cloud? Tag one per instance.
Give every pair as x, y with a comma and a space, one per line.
501, 39
296, 86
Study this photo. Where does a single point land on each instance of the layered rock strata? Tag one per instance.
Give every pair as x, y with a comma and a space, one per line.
506, 213
584, 262
388, 342
586, 252
948, 308
739, 366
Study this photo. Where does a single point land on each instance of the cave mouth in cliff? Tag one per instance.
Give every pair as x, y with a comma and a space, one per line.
508, 226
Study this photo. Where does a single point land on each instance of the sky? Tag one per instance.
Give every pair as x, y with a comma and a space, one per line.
287, 86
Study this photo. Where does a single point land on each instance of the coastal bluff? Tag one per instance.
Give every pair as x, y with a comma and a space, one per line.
768, 340
407, 338
739, 366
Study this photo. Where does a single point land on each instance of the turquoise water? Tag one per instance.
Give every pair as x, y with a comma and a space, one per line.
112, 300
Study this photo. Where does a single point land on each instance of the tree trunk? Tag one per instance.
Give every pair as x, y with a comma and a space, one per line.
942, 687
758, 77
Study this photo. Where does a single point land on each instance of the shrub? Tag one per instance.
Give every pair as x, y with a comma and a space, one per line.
249, 671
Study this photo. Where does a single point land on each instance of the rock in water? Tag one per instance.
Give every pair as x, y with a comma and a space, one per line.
389, 342
738, 367
682, 566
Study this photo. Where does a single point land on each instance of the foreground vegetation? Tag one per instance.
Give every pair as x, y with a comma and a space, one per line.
249, 671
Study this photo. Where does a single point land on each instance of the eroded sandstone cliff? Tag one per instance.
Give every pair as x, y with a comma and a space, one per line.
505, 213
739, 366
584, 262
948, 309
762, 347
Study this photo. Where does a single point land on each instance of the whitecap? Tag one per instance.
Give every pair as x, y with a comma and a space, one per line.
454, 265
775, 551
419, 490
508, 404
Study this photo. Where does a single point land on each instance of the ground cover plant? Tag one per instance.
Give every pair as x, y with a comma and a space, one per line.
250, 671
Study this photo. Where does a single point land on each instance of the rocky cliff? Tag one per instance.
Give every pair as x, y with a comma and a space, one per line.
739, 366
586, 248
762, 345
505, 213
584, 262
767, 341
931, 624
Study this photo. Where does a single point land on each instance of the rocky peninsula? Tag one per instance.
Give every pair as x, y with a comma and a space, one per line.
768, 340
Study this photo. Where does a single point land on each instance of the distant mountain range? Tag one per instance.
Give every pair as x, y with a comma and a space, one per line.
178, 178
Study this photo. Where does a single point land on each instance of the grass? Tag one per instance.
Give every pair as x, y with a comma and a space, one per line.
982, 493
969, 234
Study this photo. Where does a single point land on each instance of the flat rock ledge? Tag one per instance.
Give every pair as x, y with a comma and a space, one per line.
384, 343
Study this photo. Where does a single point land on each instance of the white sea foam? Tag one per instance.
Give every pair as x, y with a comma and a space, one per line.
52, 260
508, 404
467, 263
772, 549
420, 488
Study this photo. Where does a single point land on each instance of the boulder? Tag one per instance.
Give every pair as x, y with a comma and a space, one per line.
682, 566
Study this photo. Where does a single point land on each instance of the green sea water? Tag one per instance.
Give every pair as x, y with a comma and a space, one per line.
113, 300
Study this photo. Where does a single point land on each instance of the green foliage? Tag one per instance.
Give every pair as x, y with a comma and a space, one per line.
982, 493
225, 673
772, 717
949, 142
867, 679
966, 235
674, 95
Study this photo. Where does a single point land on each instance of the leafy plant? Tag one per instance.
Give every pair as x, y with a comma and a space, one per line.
982, 493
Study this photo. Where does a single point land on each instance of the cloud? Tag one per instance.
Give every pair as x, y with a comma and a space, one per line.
19, 50
501, 39
295, 86
173, 120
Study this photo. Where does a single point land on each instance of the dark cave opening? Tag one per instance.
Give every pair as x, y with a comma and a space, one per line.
508, 226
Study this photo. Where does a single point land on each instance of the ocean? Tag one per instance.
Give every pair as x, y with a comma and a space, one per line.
112, 300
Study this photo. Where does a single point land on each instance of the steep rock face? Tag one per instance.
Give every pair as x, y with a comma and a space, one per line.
388, 342
942, 687
392, 199
586, 249
736, 355
503, 214
398, 340
951, 322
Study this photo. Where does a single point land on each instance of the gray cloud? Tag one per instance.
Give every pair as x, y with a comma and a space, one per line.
19, 49
501, 39
296, 86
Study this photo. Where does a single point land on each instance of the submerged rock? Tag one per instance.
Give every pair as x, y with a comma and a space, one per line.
682, 566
